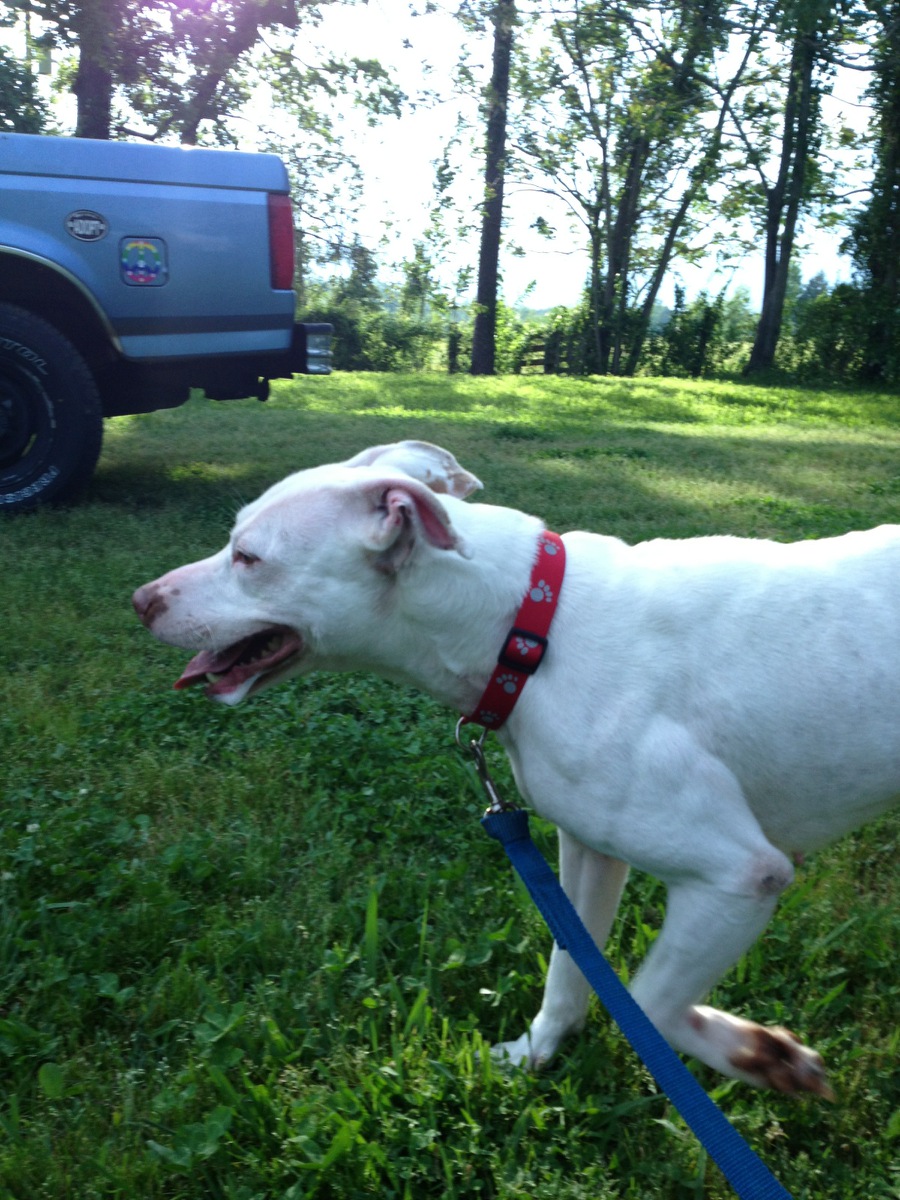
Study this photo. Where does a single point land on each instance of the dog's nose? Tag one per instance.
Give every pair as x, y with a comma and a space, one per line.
148, 603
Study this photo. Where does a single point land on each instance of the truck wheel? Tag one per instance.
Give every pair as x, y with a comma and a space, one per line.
51, 419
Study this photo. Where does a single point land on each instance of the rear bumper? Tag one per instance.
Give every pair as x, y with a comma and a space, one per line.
132, 387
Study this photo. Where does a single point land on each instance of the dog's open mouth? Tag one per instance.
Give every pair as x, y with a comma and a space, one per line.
232, 673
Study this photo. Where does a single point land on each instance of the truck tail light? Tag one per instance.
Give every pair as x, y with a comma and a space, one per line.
281, 241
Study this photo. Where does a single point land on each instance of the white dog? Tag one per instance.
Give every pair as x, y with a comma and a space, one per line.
707, 709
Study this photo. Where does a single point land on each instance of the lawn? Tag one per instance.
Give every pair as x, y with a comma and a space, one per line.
255, 954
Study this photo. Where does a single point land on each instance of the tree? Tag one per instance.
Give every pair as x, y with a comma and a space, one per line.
623, 119
875, 233
213, 38
704, 171
114, 42
173, 63
21, 108
809, 29
418, 287
360, 289
690, 335
503, 17
738, 319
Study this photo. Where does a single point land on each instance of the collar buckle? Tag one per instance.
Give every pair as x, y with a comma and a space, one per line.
522, 651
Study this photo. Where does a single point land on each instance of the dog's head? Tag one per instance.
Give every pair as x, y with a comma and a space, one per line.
307, 574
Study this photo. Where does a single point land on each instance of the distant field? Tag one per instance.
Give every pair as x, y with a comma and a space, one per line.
253, 954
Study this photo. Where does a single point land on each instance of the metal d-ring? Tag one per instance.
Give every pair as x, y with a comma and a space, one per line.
496, 803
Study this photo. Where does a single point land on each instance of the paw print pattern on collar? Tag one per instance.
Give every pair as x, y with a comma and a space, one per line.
526, 643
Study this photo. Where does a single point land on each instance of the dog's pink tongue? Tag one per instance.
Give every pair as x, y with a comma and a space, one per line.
203, 664
242, 661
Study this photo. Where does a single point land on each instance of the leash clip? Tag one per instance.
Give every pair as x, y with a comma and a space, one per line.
496, 803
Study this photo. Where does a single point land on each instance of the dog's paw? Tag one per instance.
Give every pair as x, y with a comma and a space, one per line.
519, 1054
510, 1055
774, 1057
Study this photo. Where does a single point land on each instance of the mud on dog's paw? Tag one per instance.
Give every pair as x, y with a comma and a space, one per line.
775, 1057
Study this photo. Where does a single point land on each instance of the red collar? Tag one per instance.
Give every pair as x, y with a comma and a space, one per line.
525, 645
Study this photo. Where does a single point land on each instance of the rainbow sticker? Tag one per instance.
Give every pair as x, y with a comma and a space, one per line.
143, 262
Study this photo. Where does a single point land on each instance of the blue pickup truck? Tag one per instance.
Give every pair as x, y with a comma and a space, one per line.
129, 274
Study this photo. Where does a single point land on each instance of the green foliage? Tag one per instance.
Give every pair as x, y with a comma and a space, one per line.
512, 340
832, 335
21, 108
835, 336
622, 123
378, 328
255, 954
378, 340
827, 338
572, 341
688, 343
695, 339
875, 231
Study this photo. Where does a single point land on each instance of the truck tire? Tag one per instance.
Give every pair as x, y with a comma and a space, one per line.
51, 418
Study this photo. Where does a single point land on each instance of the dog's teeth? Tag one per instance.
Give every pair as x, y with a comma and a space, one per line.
273, 644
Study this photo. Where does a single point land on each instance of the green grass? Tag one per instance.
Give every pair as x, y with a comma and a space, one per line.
254, 954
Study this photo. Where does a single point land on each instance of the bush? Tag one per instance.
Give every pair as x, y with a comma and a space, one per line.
367, 340
831, 337
512, 340
571, 346
690, 343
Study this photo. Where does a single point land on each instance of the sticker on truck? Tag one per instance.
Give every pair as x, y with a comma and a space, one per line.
143, 262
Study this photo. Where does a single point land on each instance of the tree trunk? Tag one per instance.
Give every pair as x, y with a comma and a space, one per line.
484, 334
784, 199
618, 256
592, 355
645, 314
93, 86
93, 89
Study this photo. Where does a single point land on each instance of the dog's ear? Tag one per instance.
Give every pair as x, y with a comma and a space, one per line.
430, 464
402, 512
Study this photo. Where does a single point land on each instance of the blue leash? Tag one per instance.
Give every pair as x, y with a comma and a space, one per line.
741, 1166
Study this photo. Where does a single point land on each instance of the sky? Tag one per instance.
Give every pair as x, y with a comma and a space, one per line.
398, 156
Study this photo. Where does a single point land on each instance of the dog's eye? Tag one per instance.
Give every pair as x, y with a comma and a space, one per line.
243, 557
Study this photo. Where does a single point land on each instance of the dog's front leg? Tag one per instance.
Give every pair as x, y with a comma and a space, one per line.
593, 882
